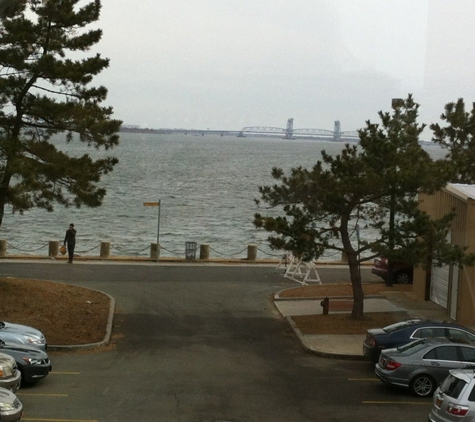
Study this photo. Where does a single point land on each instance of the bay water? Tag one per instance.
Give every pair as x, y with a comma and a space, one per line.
206, 186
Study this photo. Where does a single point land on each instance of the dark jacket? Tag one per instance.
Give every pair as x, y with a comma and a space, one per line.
70, 236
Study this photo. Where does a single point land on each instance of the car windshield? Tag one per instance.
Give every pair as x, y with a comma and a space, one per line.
399, 325
452, 386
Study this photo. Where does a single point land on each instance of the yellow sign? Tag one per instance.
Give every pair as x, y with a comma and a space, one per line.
151, 204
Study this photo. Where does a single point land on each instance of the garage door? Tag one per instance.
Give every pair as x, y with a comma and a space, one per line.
439, 285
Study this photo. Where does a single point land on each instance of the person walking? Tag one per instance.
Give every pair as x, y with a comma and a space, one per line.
70, 239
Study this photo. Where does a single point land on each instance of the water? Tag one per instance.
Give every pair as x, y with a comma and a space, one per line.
206, 185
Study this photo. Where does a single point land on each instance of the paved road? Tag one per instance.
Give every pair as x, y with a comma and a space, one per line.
201, 343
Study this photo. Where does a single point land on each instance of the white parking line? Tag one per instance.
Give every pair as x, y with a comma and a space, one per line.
41, 394
397, 402
58, 420
65, 373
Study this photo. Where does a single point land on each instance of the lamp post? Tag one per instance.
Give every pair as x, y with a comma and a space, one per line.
159, 205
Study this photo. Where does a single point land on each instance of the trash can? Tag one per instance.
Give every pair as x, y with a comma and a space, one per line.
190, 250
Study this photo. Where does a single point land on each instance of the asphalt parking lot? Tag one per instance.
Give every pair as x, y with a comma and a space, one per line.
196, 343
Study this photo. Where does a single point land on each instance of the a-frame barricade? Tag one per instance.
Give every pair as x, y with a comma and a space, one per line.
285, 261
294, 271
312, 273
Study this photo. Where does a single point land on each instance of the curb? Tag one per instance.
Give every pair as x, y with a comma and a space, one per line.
164, 260
317, 352
301, 337
104, 342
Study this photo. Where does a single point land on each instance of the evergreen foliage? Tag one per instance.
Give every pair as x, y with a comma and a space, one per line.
458, 138
45, 90
325, 206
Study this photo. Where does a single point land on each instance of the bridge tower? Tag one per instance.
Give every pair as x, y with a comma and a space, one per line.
289, 130
337, 131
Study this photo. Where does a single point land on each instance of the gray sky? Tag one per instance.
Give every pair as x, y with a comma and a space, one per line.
225, 64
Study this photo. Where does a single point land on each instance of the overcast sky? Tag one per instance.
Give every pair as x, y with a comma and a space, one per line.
226, 64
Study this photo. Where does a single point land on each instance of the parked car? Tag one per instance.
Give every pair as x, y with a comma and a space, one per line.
402, 272
23, 334
454, 400
33, 364
403, 332
423, 364
10, 376
11, 408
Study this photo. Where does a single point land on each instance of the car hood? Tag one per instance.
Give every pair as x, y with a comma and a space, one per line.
23, 349
6, 396
10, 328
6, 360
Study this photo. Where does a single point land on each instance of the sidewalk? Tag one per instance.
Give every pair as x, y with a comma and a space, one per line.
351, 346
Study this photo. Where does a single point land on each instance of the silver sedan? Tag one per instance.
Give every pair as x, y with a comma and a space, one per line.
423, 364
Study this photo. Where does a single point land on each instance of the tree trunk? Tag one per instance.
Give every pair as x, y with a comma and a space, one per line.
354, 267
358, 295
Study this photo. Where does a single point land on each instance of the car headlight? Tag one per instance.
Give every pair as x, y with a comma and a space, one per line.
34, 340
32, 361
6, 406
5, 372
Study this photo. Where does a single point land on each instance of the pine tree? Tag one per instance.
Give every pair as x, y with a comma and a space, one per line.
373, 185
45, 91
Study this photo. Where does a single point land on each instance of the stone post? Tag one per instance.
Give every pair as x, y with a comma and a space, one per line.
251, 252
3, 247
53, 248
154, 251
105, 249
204, 252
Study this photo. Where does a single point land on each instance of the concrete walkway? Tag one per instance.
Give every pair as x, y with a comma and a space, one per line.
351, 346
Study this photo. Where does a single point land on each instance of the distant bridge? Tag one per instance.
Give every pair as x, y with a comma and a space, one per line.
290, 133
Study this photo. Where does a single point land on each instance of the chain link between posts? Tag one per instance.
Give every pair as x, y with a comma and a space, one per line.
139, 251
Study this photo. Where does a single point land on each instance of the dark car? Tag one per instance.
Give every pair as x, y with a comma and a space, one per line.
423, 364
403, 332
34, 364
403, 272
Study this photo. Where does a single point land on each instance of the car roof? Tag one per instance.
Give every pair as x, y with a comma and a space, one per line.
414, 323
424, 344
464, 374
444, 340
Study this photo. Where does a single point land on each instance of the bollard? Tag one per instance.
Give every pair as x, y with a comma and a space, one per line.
204, 252
251, 252
53, 248
105, 249
344, 257
3, 247
154, 251
325, 304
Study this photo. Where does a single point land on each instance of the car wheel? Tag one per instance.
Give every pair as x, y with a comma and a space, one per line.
403, 277
423, 385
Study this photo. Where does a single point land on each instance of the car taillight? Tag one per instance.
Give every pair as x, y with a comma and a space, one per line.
457, 410
370, 340
392, 365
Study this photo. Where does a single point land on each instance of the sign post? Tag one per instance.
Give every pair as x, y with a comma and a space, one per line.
156, 204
